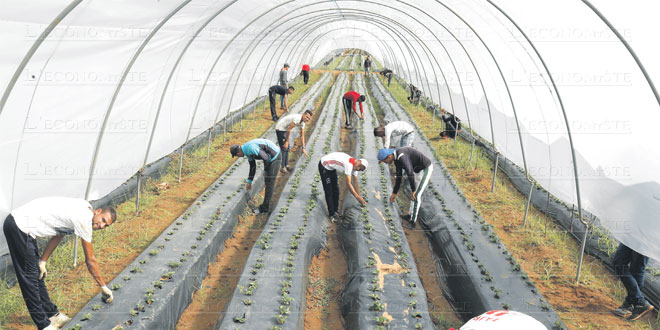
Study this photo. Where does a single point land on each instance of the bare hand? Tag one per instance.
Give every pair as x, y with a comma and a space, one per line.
392, 198
362, 201
286, 145
42, 269
106, 295
248, 186
412, 196
305, 152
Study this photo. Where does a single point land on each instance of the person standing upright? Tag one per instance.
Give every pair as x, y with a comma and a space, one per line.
367, 65
412, 161
52, 217
349, 99
269, 153
305, 73
283, 81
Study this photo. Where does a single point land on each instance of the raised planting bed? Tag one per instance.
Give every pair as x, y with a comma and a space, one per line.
153, 291
479, 271
271, 290
384, 289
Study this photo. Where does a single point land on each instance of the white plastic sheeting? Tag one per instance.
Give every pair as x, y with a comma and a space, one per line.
51, 123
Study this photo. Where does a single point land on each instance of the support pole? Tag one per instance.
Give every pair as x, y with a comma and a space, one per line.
584, 243
180, 162
75, 250
208, 145
137, 192
529, 200
497, 160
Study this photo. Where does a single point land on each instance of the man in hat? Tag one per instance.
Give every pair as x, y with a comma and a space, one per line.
328, 167
412, 161
52, 217
269, 153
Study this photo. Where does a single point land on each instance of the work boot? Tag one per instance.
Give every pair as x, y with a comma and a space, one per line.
289, 168
624, 310
283, 170
59, 320
640, 310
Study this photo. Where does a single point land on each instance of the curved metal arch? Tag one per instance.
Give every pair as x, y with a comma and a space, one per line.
127, 69
33, 49
626, 44
568, 128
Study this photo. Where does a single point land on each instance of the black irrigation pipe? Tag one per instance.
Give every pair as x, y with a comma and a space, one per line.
384, 288
480, 273
272, 287
154, 290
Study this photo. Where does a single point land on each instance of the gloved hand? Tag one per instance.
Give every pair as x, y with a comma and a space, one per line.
107, 294
42, 269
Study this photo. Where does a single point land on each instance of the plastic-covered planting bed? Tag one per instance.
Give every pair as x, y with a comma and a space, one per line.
384, 289
479, 272
271, 290
353, 61
600, 242
343, 62
153, 291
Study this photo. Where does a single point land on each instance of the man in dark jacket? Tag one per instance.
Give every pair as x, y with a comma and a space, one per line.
412, 161
367, 65
267, 151
387, 73
280, 90
452, 125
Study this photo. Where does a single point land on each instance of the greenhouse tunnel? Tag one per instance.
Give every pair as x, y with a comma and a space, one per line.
98, 97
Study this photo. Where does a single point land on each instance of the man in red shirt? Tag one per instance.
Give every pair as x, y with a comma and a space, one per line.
305, 73
350, 99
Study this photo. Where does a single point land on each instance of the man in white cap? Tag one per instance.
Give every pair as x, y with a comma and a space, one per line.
328, 167
52, 217
503, 320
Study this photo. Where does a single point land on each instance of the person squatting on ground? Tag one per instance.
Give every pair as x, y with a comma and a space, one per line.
387, 73
396, 128
630, 267
367, 65
284, 82
284, 92
267, 151
305, 73
286, 130
328, 166
412, 161
52, 217
349, 99
415, 94
452, 124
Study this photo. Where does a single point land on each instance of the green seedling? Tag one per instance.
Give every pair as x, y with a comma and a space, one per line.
248, 302
174, 264
381, 320
96, 307
144, 261
86, 317
281, 319
157, 284
285, 309
137, 269
413, 303
377, 306
153, 252
286, 299
116, 286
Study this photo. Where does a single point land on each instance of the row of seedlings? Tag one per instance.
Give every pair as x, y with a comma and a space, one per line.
384, 289
478, 269
154, 290
271, 290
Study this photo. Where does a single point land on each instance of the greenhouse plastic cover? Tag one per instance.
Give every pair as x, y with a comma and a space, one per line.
94, 90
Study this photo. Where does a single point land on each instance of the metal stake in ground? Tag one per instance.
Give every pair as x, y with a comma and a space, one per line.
529, 199
497, 160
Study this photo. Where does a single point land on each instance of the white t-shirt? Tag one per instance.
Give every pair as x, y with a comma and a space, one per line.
396, 128
283, 124
503, 320
339, 161
55, 216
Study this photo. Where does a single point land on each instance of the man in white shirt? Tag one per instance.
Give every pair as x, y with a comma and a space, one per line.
328, 167
396, 128
52, 217
286, 132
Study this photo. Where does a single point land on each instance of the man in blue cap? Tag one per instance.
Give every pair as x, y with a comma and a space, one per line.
267, 151
412, 161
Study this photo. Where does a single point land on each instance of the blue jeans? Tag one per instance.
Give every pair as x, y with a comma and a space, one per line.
407, 140
630, 267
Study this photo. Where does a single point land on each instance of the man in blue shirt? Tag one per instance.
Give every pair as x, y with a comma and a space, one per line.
267, 151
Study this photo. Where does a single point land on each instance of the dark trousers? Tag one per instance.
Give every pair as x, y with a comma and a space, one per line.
389, 78
305, 75
330, 188
448, 133
271, 100
281, 139
630, 267
25, 257
270, 176
282, 98
348, 111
